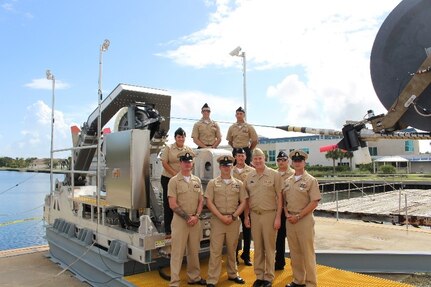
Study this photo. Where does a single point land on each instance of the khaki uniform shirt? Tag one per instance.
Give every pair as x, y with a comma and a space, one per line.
241, 134
243, 174
286, 174
207, 131
186, 193
299, 193
169, 154
226, 196
263, 190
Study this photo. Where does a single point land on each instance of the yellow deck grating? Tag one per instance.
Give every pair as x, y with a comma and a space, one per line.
326, 276
91, 200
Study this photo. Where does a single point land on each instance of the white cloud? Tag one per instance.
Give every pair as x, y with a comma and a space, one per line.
42, 116
36, 132
32, 137
7, 6
187, 111
10, 7
188, 104
329, 41
279, 33
45, 84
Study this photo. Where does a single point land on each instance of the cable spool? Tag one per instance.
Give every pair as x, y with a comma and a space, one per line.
118, 117
145, 117
401, 46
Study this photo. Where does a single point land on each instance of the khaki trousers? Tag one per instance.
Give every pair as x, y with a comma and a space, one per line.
264, 236
220, 233
185, 237
300, 237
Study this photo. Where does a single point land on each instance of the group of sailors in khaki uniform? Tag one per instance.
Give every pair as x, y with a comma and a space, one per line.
262, 195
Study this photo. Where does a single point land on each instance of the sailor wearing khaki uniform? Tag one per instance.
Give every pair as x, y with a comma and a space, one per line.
242, 135
206, 132
171, 166
285, 171
186, 200
264, 209
226, 199
240, 171
301, 196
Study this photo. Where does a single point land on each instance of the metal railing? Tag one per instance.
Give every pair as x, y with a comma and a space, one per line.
360, 186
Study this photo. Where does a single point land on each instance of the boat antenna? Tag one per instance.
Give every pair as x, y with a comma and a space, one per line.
103, 48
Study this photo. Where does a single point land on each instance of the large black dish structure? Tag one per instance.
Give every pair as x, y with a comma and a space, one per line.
400, 47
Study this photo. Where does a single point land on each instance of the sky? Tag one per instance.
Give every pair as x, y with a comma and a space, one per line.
307, 63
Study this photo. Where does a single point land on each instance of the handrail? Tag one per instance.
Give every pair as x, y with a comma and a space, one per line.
362, 188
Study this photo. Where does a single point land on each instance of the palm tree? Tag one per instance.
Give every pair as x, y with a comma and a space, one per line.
349, 156
334, 155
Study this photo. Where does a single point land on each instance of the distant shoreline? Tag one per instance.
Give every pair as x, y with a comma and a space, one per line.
26, 169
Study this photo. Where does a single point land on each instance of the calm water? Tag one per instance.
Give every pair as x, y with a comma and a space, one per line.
22, 196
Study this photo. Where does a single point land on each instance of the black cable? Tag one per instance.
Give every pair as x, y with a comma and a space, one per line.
104, 263
4, 191
164, 275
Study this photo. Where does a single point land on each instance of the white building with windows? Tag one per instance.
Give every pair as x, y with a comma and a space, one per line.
311, 144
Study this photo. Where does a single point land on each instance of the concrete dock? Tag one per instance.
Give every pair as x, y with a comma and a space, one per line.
30, 267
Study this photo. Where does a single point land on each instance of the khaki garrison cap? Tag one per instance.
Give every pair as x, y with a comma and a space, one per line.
257, 152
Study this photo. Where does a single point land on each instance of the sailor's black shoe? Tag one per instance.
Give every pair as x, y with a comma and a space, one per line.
202, 282
279, 266
237, 280
293, 284
246, 260
258, 283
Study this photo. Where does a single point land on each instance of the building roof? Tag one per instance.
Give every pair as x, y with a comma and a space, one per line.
391, 159
419, 158
265, 140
